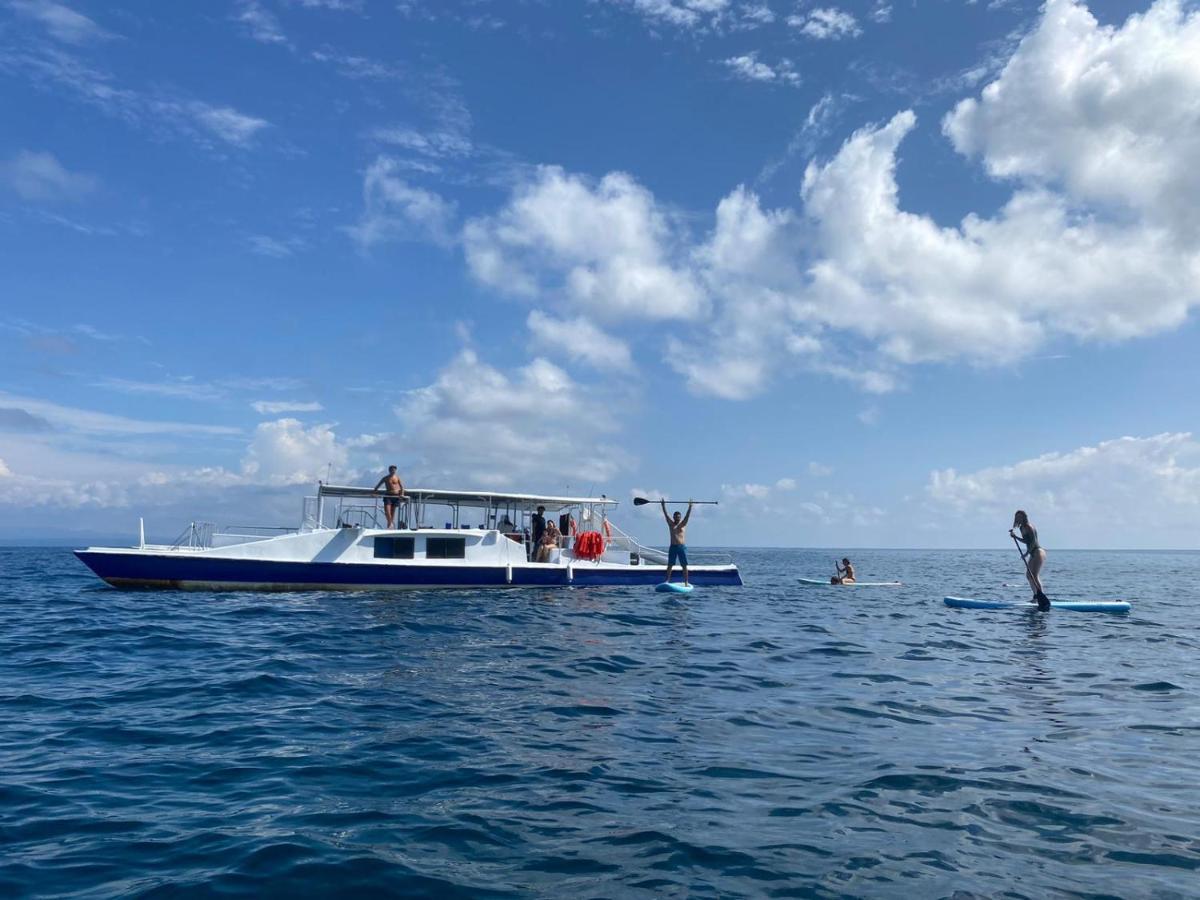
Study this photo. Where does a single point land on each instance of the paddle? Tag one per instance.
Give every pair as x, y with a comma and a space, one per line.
642, 501
1043, 602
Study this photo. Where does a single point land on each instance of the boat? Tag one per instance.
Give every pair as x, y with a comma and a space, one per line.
817, 582
439, 539
1107, 606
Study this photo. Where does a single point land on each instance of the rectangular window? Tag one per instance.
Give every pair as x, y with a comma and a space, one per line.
445, 548
394, 547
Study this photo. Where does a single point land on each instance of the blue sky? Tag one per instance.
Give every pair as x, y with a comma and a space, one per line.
871, 274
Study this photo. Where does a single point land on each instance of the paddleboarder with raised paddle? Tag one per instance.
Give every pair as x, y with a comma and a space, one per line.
1033, 555
677, 523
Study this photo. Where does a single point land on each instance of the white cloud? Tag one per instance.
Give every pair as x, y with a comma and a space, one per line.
680, 13
748, 67
606, 247
1112, 115
69, 418
260, 23
397, 210
5, 472
532, 428
39, 177
62, 22
285, 452
265, 245
161, 110
438, 143
227, 123
826, 24
818, 470
276, 407
1125, 492
581, 341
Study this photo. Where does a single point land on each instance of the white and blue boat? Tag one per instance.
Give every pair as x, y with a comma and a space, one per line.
441, 539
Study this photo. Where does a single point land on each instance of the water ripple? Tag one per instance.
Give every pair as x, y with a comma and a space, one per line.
769, 741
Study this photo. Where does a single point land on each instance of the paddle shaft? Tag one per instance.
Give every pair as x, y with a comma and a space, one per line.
1043, 601
642, 501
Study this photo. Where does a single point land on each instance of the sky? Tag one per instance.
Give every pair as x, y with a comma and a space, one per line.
869, 274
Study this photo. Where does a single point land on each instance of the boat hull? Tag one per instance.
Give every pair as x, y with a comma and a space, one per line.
203, 572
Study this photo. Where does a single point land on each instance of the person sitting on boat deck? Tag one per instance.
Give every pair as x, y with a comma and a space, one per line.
677, 553
548, 544
395, 493
1035, 555
845, 573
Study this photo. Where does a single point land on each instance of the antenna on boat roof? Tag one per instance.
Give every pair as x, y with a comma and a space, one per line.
328, 471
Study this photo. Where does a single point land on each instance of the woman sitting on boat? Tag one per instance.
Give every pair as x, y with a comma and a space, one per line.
548, 544
845, 573
1035, 556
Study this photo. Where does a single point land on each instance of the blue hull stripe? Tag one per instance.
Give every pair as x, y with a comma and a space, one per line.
143, 570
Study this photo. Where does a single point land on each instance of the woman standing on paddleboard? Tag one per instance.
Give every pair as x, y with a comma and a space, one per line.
1035, 556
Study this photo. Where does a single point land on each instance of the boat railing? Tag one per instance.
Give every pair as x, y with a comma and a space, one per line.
197, 536
622, 541
258, 530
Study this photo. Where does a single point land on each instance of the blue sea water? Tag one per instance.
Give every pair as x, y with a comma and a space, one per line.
768, 741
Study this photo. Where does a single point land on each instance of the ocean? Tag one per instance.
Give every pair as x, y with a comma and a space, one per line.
773, 740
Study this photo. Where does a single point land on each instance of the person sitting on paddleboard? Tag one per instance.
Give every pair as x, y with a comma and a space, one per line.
845, 573
678, 551
1035, 556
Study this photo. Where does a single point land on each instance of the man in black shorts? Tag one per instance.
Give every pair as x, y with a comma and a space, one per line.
395, 493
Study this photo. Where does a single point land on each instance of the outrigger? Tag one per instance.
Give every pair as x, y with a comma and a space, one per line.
443, 539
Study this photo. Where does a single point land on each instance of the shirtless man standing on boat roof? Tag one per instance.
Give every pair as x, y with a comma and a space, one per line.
395, 493
678, 552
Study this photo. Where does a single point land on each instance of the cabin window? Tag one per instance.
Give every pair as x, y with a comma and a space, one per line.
394, 547
445, 548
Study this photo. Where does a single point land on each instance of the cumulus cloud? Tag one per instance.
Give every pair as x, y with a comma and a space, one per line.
606, 247
581, 341
285, 452
1112, 115
39, 177
826, 24
397, 210
1121, 492
533, 427
749, 67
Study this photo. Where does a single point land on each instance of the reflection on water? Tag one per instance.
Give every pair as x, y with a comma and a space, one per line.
770, 740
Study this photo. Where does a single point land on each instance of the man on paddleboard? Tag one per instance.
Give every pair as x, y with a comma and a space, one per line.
678, 553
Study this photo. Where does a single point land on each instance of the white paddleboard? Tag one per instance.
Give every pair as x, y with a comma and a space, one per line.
827, 583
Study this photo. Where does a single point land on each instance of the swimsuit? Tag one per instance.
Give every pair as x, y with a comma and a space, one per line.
677, 554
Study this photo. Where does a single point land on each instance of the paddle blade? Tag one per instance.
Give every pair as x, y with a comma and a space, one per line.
1043, 602
640, 501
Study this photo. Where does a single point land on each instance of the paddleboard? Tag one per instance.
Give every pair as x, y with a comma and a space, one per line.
828, 583
673, 587
1108, 606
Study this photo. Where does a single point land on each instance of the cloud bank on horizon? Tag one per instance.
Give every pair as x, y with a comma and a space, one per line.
520, 309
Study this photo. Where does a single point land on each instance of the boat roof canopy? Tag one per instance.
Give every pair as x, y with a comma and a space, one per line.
482, 499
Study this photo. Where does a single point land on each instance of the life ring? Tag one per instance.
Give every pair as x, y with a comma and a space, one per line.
571, 526
607, 533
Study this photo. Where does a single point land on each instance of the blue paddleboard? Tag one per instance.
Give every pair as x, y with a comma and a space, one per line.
673, 587
1108, 606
